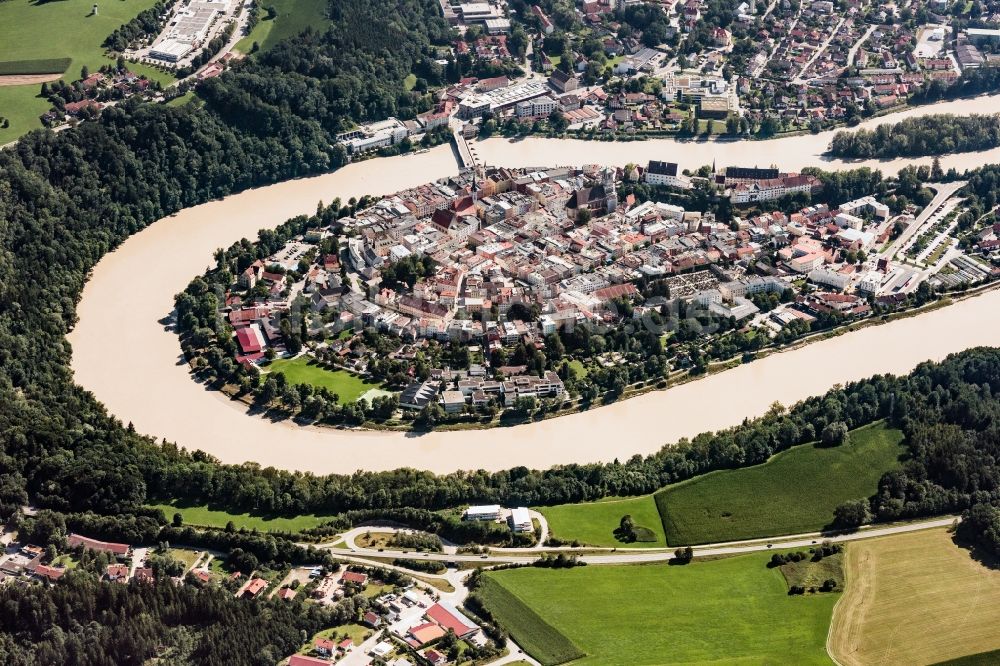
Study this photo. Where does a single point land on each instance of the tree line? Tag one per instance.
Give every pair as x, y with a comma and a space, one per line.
914, 137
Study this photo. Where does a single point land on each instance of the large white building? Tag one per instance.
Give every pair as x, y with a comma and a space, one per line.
866, 205
665, 173
520, 520
483, 512
374, 136
500, 100
773, 188
540, 106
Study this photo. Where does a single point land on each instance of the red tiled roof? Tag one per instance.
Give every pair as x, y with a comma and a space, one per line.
303, 660
52, 573
255, 586
427, 632
448, 620
324, 644
75, 540
354, 577
247, 340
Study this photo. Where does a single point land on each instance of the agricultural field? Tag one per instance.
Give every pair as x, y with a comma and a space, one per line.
803, 486
204, 516
293, 16
60, 37
594, 523
734, 610
916, 598
991, 658
302, 370
536, 636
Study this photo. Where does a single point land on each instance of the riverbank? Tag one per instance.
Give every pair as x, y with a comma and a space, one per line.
126, 353
790, 153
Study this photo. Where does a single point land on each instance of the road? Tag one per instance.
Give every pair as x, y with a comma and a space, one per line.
448, 548
822, 47
944, 191
637, 556
857, 45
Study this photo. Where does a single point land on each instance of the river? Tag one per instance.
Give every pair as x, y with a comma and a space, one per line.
124, 353
788, 153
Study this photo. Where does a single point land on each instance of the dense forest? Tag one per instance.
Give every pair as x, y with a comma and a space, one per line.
84, 621
351, 72
913, 137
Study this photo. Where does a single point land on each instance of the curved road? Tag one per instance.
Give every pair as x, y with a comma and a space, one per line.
126, 354
641, 555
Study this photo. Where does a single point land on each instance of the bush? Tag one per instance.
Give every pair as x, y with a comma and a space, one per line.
852, 514
835, 434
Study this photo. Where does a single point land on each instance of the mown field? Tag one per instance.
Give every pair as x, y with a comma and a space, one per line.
204, 516
796, 491
301, 370
293, 17
62, 31
536, 636
916, 598
733, 611
991, 658
594, 523
37, 66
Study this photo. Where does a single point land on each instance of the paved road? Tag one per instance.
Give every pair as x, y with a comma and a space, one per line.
611, 556
944, 191
853, 53
822, 47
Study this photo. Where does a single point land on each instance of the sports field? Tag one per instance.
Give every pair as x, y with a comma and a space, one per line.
732, 611
293, 17
202, 515
63, 36
594, 523
915, 598
795, 491
302, 370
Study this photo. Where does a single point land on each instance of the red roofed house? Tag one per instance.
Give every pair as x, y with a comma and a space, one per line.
253, 588
117, 572
435, 657
286, 593
116, 549
449, 618
345, 645
425, 633
248, 341
51, 574
324, 646
372, 619
355, 577
144, 575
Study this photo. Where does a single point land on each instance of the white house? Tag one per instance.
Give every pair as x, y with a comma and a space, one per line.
520, 520
483, 512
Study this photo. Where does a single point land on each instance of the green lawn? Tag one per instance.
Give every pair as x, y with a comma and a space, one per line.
35, 30
356, 632
732, 611
204, 516
579, 367
293, 17
302, 370
594, 523
796, 491
182, 99
185, 555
